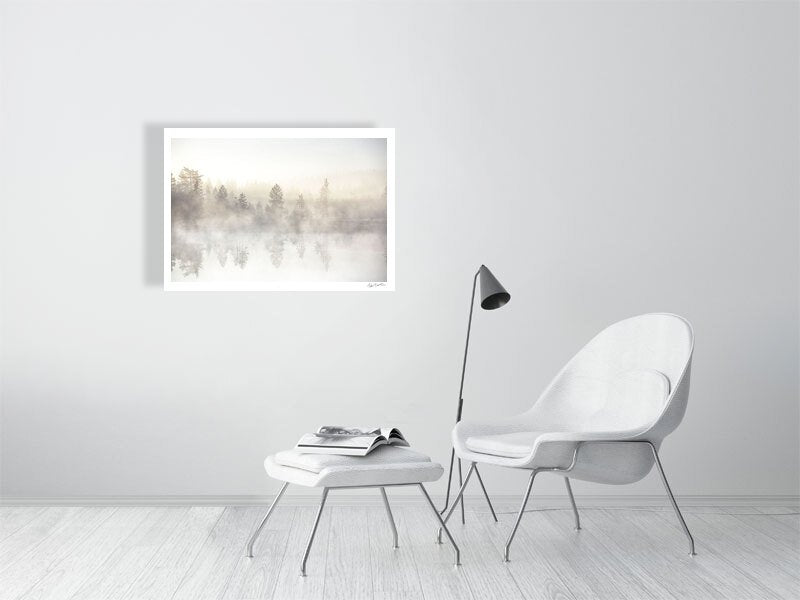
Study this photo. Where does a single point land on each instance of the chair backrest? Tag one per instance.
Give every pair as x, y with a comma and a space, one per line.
632, 375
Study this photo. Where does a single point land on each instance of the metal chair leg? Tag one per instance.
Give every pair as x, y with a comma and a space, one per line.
391, 518
257, 532
574, 507
455, 502
672, 500
519, 516
461, 482
313, 531
485, 495
442, 523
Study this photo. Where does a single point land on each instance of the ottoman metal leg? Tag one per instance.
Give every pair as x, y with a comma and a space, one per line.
442, 523
313, 531
264, 521
391, 518
455, 502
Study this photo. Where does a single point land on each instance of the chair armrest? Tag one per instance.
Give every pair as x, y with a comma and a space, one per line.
559, 451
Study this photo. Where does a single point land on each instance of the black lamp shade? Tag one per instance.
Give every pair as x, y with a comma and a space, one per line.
493, 294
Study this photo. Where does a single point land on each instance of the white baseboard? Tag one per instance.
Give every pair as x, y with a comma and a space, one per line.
366, 499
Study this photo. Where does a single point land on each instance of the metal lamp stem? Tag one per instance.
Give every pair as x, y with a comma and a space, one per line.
466, 347
460, 410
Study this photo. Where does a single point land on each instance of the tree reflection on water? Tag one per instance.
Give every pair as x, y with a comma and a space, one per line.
218, 232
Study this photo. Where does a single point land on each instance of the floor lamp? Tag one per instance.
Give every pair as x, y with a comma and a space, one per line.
493, 295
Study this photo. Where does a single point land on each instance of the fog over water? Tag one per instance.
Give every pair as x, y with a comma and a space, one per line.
278, 210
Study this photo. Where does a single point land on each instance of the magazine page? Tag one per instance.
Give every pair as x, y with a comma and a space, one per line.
390, 433
395, 437
342, 430
349, 440
346, 445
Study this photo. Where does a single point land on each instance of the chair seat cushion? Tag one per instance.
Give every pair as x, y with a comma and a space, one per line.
509, 445
387, 465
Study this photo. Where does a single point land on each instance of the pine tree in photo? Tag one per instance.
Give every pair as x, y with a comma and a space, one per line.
299, 214
191, 181
276, 199
324, 196
221, 194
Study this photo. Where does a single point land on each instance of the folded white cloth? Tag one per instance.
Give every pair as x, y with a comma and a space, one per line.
386, 465
382, 455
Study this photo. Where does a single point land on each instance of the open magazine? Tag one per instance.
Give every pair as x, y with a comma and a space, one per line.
349, 441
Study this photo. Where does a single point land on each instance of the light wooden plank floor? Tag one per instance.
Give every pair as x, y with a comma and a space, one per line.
160, 553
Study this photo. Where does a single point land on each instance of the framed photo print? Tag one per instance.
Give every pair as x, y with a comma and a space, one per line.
278, 209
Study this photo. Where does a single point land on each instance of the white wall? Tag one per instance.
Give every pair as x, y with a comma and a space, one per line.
604, 160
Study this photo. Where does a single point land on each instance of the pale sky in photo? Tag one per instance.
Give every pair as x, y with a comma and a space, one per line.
287, 161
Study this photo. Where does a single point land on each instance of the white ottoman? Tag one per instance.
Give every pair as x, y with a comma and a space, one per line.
384, 467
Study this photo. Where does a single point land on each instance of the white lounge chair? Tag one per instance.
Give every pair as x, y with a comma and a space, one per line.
601, 419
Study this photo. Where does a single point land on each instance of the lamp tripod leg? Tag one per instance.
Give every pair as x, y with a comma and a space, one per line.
461, 483
449, 481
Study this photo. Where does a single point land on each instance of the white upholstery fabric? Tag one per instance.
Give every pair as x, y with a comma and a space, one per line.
383, 466
383, 455
631, 382
511, 445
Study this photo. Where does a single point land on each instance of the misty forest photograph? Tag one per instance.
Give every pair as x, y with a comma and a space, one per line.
269, 212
